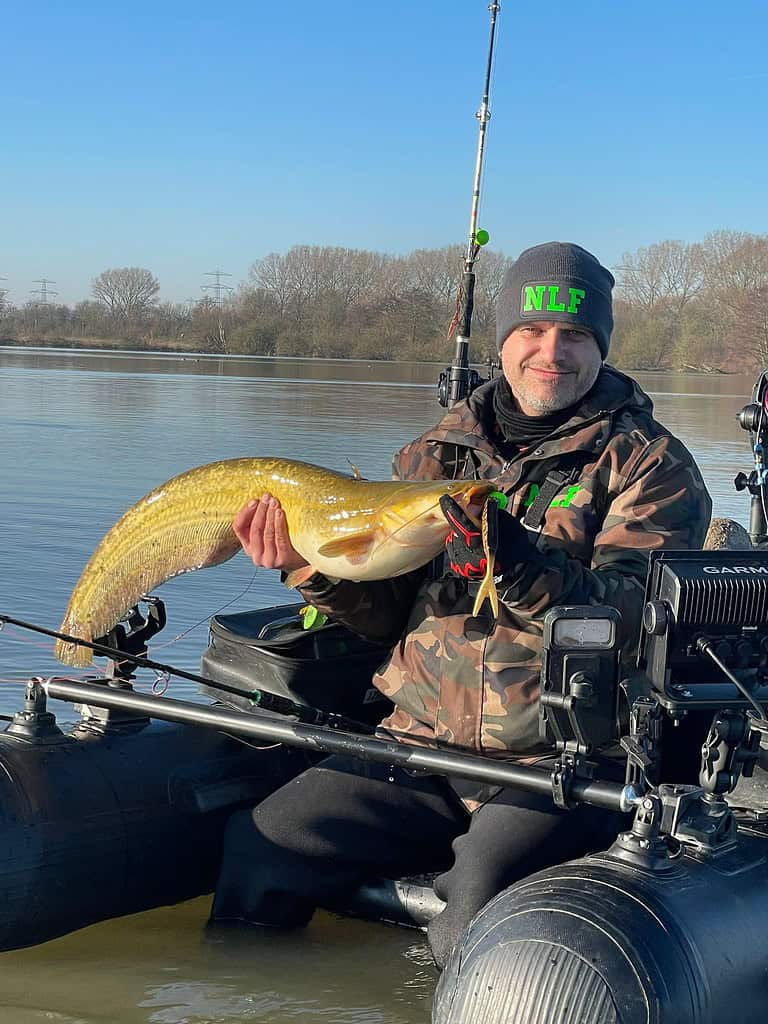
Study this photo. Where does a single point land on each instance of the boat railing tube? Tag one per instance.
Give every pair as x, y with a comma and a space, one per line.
610, 795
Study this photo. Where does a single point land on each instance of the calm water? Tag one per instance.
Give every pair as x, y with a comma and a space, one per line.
84, 435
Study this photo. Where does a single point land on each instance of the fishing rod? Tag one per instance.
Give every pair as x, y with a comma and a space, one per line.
259, 698
458, 380
316, 730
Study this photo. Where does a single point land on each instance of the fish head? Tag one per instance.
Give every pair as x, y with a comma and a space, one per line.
402, 529
412, 526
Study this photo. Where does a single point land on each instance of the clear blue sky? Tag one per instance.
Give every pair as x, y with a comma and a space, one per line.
185, 137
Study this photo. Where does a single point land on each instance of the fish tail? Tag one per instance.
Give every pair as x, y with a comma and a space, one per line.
487, 589
74, 655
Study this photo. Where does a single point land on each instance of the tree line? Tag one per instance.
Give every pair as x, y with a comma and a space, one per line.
677, 305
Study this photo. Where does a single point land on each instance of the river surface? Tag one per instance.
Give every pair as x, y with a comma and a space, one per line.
85, 434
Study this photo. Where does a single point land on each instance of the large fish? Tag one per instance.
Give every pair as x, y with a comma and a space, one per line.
343, 526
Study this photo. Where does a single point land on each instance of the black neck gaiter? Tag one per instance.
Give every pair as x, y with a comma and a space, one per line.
520, 430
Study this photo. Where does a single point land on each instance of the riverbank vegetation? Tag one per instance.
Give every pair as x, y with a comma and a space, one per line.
678, 305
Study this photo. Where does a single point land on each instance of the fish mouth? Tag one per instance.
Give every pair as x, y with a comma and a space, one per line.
468, 496
463, 494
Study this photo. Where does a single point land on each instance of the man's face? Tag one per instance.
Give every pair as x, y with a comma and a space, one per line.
549, 365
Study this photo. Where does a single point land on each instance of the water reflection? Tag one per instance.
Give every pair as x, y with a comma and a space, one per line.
87, 434
161, 967
190, 364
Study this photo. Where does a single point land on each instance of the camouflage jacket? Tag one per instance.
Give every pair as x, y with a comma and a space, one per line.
471, 682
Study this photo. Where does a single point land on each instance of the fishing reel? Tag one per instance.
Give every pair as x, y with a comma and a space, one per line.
754, 419
458, 382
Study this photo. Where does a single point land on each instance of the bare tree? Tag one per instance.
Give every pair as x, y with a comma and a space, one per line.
735, 264
753, 320
491, 268
127, 292
271, 276
667, 274
437, 272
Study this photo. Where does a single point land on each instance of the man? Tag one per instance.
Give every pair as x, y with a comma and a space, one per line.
593, 483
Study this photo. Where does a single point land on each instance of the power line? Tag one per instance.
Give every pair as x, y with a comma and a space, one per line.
43, 291
217, 287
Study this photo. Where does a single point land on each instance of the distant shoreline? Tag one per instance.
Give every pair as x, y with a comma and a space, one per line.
118, 348
196, 354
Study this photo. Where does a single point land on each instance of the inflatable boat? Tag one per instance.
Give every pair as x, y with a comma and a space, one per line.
126, 810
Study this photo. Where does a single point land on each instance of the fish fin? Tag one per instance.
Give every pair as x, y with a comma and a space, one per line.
355, 545
299, 576
487, 589
356, 474
489, 531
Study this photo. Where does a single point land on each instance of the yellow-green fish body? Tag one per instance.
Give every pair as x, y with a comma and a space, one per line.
344, 527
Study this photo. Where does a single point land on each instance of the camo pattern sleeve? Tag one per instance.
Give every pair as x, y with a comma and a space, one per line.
434, 461
656, 499
377, 610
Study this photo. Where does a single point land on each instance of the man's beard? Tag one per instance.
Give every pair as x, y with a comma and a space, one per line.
567, 393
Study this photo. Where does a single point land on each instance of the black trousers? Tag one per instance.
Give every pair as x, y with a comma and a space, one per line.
343, 822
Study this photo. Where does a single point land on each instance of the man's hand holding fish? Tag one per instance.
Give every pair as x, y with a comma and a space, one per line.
261, 529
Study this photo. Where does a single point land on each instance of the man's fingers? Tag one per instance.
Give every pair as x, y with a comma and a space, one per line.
249, 525
241, 524
269, 505
285, 549
455, 514
263, 532
261, 528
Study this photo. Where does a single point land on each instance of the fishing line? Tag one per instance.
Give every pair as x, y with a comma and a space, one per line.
758, 434
242, 739
204, 621
394, 533
70, 679
19, 638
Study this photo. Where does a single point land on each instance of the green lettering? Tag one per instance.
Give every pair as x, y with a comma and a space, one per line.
567, 498
575, 295
552, 306
533, 298
563, 502
531, 496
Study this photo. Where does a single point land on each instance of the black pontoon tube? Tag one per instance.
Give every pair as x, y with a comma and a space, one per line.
610, 795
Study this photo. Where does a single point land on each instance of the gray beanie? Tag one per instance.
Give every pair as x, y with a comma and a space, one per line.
557, 281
